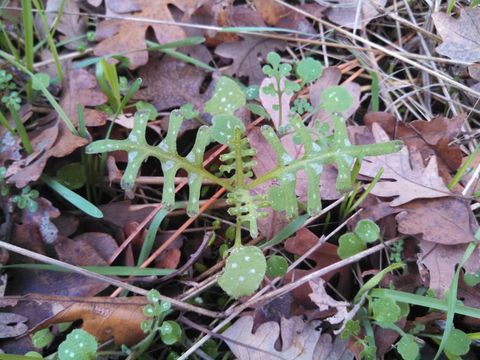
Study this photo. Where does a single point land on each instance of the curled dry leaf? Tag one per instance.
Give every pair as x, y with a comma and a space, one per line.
41, 218
441, 261
247, 56
325, 302
460, 36
411, 179
353, 14
447, 221
103, 317
52, 140
122, 36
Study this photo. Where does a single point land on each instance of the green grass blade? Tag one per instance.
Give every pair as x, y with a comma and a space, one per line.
73, 198
27, 19
375, 91
21, 130
425, 301
49, 38
286, 232
375, 280
147, 245
463, 168
188, 59
102, 270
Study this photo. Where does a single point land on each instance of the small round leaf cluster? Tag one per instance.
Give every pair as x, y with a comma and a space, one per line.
366, 231
79, 345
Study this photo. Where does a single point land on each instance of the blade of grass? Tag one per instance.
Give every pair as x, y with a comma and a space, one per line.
452, 296
5, 124
27, 19
375, 280
463, 168
72, 197
22, 133
366, 192
375, 91
425, 301
49, 38
188, 59
102, 270
286, 232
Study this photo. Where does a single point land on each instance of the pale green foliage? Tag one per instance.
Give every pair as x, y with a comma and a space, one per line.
458, 343
408, 348
366, 231
276, 266
309, 70
244, 271
239, 160
386, 310
79, 345
336, 99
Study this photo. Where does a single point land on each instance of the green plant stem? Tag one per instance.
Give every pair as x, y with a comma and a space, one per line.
5, 124
27, 18
21, 130
49, 39
8, 42
280, 102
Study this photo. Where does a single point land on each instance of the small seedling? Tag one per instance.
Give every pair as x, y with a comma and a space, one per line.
236, 174
366, 231
79, 345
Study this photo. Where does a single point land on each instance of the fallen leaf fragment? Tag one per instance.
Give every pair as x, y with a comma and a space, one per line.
461, 37
122, 36
447, 221
441, 261
103, 317
353, 14
261, 345
248, 55
324, 302
12, 325
412, 180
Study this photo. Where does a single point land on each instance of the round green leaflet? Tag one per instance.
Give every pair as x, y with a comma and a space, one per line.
244, 271
458, 343
72, 176
309, 70
276, 266
367, 230
408, 348
79, 345
170, 332
349, 244
336, 99
386, 310
224, 126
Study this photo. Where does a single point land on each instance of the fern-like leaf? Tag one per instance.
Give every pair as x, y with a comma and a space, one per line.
139, 150
337, 150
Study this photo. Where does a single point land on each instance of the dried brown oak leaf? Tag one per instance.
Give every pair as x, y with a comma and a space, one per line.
461, 37
408, 179
81, 88
248, 55
300, 341
103, 317
353, 14
441, 261
447, 221
122, 36
170, 83
324, 302
12, 325
51, 140
432, 137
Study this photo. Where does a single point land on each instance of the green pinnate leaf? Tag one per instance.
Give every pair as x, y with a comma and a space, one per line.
386, 310
367, 230
408, 348
349, 244
224, 126
369, 352
244, 271
79, 345
336, 99
170, 332
227, 98
276, 266
274, 59
309, 70
458, 343
153, 296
